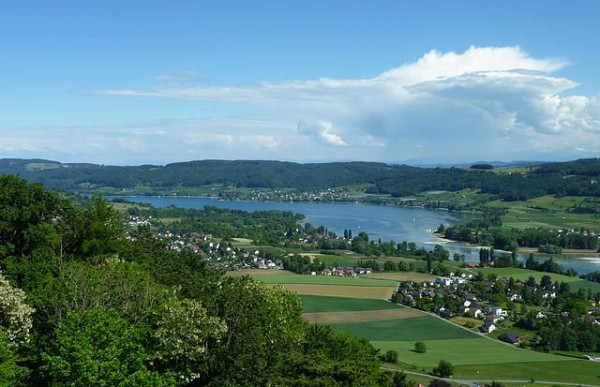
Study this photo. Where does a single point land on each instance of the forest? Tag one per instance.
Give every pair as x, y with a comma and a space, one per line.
575, 178
82, 305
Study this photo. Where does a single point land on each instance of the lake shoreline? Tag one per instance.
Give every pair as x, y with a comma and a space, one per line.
388, 223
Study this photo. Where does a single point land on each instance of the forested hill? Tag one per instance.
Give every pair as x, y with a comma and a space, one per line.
578, 178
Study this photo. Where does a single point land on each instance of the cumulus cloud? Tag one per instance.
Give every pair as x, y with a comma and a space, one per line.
483, 103
321, 131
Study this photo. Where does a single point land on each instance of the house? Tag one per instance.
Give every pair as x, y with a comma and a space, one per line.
488, 328
496, 310
514, 297
467, 303
493, 319
540, 315
443, 281
510, 338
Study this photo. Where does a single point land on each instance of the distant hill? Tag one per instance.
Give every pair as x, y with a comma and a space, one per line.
496, 164
579, 178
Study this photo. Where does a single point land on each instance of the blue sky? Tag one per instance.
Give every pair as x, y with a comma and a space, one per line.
127, 82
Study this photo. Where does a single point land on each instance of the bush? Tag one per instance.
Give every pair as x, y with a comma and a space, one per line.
391, 356
420, 347
444, 369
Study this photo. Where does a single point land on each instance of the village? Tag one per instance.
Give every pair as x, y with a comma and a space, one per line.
494, 302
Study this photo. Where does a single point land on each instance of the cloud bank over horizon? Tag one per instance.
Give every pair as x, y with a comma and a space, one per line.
482, 104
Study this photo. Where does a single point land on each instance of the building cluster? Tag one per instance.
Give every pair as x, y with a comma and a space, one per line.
467, 295
135, 221
344, 271
329, 194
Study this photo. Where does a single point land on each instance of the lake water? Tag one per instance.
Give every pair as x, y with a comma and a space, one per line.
388, 223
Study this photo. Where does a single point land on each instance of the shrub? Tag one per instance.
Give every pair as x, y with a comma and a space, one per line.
420, 347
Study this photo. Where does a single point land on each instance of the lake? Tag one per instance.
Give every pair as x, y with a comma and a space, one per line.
388, 223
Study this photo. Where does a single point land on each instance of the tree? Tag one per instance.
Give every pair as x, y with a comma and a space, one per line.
444, 369
182, 335
98, 348
391, 356
11, 373
401, 380
328, 358
263, 326
96, 230
420, 347
390, 266
439, 383
15, 314
28, 215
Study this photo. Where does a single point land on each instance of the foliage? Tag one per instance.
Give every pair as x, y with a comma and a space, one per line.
420, 347
182, 336
11, 373
571, 178
391, 356
98, 348
129, 312
444, 369
15, 314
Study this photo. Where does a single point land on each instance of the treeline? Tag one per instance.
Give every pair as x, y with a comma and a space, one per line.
577, 178
488, 232
82, 305
263, 227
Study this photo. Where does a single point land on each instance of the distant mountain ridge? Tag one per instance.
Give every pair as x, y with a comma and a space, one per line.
578, 177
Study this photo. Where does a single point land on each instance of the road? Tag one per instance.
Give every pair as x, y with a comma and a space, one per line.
474, 382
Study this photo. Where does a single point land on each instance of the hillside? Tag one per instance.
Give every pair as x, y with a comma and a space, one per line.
575, 178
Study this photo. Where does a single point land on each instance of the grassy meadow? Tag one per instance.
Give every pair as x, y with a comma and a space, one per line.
523, 274
474, 356
360, 306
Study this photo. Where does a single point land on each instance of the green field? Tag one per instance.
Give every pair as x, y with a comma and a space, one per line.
322, 280
466, 350
411, 329
548, 211
403, 276
353, 260
578, 371
472, 351
523, 274
320, 304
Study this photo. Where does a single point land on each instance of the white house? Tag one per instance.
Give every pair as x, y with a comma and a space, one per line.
497, 311
488, 328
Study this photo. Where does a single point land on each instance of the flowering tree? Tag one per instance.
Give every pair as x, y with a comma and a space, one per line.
15, 314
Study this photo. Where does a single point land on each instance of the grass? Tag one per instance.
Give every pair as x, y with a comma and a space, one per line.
472, 351
467, 322
322, 280
366, 292
362, 316
523, 274
575, 371
259, 273
411, 329
548, 212
403, 276
320, 304
352, 260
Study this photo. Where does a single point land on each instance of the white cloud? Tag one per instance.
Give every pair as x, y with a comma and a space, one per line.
483, 103
321, 131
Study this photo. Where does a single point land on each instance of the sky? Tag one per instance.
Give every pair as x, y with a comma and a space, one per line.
419, 82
